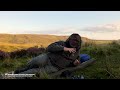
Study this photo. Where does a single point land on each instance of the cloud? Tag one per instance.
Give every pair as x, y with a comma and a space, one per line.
61, 31
99, 29
101, 32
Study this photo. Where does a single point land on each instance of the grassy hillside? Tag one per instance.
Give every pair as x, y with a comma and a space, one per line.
107, 65
29, 38
106, 53
12, 42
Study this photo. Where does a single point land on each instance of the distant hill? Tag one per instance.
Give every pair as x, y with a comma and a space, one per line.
11, 42
32, 39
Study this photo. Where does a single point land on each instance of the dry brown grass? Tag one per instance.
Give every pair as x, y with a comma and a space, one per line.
12, 42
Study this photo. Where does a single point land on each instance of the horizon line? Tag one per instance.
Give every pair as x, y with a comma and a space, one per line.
54, 35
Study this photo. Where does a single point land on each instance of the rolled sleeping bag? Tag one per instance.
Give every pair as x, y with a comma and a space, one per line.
84, 57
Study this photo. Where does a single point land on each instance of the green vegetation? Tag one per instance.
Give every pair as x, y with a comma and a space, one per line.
8, 65
107, 65
106, 53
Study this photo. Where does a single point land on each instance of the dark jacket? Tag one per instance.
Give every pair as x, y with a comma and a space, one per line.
59, 58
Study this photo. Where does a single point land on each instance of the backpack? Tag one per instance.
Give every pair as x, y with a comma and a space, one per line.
84, 57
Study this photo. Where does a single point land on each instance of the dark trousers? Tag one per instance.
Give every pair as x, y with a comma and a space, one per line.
38, 64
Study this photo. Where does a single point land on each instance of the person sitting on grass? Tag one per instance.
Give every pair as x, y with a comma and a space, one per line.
60, 55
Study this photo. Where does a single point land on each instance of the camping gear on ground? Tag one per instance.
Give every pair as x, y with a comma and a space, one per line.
72, 69
84, 57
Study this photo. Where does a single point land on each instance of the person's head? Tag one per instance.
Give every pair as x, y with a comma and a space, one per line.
74, 41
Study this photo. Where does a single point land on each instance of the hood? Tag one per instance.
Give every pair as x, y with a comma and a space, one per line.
74, 41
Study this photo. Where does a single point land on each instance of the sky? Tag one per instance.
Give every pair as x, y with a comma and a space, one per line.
59, 23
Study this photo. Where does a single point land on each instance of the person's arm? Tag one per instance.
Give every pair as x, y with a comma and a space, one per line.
59, 46
56, 47
74, 63
77, 61
78, 58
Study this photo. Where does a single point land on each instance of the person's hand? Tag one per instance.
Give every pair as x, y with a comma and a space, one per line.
71, 50
76, 62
